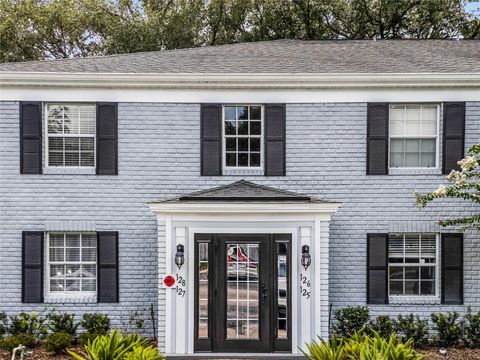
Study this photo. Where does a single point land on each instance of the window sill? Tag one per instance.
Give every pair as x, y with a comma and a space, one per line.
414, 171
243, 172
69, 171
414, 300
65, 299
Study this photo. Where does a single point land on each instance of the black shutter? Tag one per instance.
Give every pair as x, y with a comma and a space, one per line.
377, 138
107, 258
453, 135
211, 139
32, 266
377, 268
107, 137
275, 123
452, 269
30, 137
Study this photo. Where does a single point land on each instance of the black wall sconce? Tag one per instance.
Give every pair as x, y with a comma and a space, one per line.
180, 256
306, 258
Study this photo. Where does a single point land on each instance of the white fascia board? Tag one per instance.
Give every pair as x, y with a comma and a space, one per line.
243, 208
240, 81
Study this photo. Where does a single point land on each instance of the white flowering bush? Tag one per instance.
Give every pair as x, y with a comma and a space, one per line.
465, 184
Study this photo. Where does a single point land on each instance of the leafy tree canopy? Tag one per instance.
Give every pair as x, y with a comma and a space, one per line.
46, 29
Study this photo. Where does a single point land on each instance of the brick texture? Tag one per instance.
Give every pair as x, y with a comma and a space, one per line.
159, 157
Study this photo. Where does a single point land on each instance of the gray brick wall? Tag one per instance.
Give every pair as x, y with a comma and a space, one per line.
159, 157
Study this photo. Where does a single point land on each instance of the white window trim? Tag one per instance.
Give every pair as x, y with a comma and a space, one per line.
86, 169
437, 138
262, 137
438, 265
67, 294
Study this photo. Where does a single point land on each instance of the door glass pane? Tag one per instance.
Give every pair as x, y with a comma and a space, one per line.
202, 290
282, 286
242, 291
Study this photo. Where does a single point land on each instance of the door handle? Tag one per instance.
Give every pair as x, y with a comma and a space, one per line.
264, 292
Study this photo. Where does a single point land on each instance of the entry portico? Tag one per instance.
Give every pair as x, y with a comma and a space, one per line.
242, 287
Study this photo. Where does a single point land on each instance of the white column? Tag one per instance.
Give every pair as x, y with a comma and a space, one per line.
169, 320
305, 288
179, 294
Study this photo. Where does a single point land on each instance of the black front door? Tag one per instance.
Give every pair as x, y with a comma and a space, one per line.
242, 293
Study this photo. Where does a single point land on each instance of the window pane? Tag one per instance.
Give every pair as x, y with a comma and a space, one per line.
230, 113
255, 144
231, 144
412, 273
57, 285
243, 159
87, 159
243, 127
72, 285
55, 119
230, 128
412, 152
56, 254
89, 254
255, 159
89, 271
72, 254
397, 152
412, 245
243, 144
427, 288
72, 158
73, 271
86, 143
411, 287
57, 240
72, 240
87, 119
428, 273
255, 112
57, 271
231, 159
255, 127
242, 113
396, 272
71, 121
89, 240
396, 287
89, 285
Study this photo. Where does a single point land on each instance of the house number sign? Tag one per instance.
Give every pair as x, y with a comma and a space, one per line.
305, 286
175, 282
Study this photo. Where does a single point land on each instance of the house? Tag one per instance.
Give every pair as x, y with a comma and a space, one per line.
241, 189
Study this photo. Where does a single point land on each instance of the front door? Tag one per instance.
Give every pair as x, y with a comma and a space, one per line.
242, 293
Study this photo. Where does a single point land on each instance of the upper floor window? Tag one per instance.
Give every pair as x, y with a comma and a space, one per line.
72, 263
413, 135
242, 130
412, 264
71, 135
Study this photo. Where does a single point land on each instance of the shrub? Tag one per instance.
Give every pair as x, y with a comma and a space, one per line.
412, 327
472, 329
11, 342
144, 353
384, 326
111, 347
58, 342
3, 323
31, 324
98, 324
350, 320
62, 323
360, 346
448, 329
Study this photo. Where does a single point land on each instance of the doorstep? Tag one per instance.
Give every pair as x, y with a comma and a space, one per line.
234, 356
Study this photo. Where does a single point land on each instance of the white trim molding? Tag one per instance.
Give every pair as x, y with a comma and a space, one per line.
240, 80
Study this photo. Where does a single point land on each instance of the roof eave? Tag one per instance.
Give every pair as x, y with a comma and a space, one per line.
237, 80
244, 207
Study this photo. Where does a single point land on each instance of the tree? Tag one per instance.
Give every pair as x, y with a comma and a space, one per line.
465, 184
51, 29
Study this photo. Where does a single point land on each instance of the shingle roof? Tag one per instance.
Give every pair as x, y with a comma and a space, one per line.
244, 190
283, 56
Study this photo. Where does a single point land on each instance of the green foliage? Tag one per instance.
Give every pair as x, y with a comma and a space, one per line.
32, 29
412, 327
143, 353
349, 320
465, 185
11, 342
62, 323
111, 347
448, 329
360, 346
472, 329
58, 342
94, 323
3, 323
28, 323
383, 325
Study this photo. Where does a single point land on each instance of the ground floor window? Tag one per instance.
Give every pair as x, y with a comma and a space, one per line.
72, 263
412, 264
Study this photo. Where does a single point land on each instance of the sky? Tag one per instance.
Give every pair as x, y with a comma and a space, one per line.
473, 6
